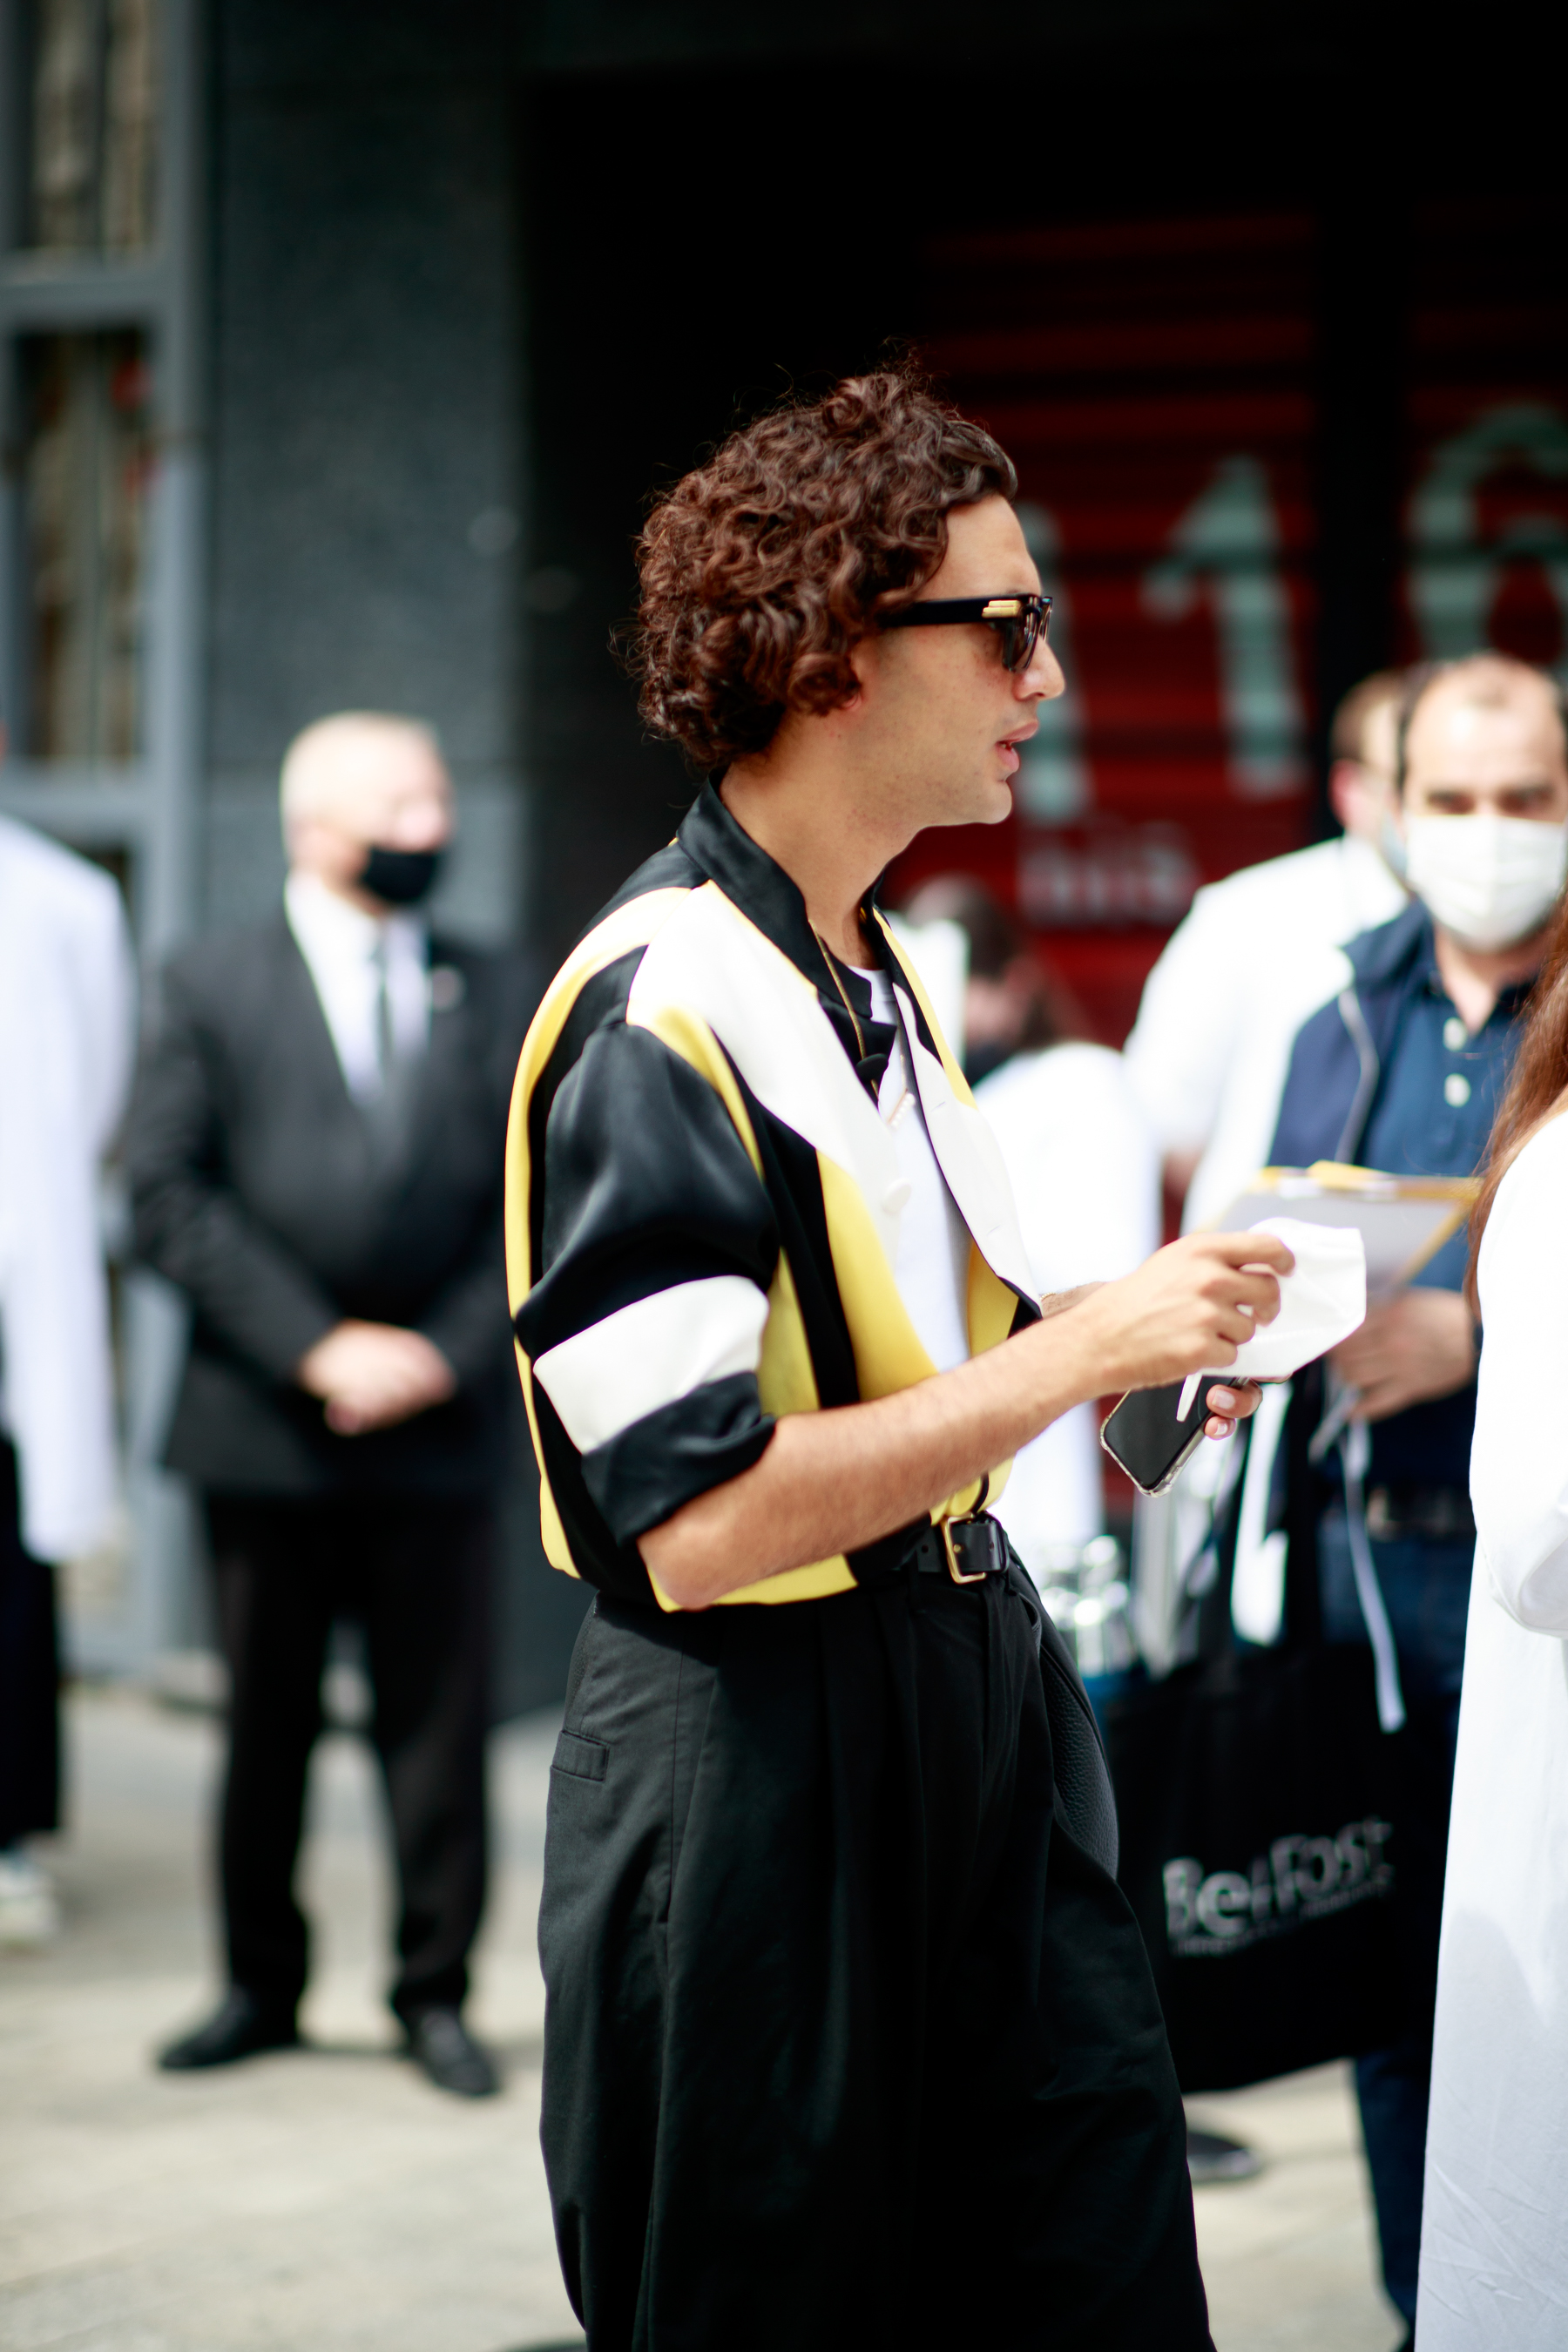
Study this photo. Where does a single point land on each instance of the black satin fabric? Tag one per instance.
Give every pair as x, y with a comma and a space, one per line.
640, 1181
849, 2040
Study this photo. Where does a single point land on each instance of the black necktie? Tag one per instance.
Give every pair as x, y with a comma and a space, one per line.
388, 1114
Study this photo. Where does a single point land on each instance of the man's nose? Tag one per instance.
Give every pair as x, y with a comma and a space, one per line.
1043, 679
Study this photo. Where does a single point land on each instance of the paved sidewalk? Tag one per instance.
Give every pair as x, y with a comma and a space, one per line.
329, 2200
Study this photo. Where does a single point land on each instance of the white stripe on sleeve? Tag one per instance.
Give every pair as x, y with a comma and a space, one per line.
651, 1353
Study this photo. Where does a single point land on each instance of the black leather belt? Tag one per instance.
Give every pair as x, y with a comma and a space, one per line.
1437, 1514
968, 1551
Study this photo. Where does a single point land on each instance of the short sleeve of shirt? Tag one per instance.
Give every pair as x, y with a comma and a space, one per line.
657, 1245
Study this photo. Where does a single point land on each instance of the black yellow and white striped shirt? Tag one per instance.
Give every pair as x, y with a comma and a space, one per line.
702, 1206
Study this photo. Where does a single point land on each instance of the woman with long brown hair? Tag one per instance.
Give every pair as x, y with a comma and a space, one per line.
1494, 2249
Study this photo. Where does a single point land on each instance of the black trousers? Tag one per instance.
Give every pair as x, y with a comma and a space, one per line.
846, 2044
415, 1571
29, 1677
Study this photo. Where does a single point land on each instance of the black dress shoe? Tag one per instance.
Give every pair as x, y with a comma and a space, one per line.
441, 2044
239, 2027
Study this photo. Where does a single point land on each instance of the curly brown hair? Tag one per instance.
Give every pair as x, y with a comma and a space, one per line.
764, 567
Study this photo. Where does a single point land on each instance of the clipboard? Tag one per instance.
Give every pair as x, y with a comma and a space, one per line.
1404, 1221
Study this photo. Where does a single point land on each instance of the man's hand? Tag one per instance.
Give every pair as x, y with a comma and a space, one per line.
373, 1375
1191, 1304
1410, 1348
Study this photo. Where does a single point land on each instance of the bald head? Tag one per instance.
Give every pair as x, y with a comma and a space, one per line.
359, 780
359, 763
1486, 732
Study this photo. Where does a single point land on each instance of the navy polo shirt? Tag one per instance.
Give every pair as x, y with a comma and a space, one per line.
1431, 1115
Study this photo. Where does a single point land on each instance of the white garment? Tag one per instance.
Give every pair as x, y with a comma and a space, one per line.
932, 1268
1208, 1056
343, 949
1209, 1050
938, 954
1494, 2240
67, 1031
1086, 1182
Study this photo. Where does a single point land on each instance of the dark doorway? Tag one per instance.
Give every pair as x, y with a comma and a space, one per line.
1183, 313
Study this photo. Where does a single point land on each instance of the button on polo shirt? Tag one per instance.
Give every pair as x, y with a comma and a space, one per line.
1432, 1117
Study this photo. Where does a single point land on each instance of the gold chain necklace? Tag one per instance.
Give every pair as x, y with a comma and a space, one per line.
838, 985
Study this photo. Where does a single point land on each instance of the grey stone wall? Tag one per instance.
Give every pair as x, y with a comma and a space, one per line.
368, 459
367, 432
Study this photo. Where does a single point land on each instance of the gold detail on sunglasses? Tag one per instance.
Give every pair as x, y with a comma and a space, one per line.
1003, 608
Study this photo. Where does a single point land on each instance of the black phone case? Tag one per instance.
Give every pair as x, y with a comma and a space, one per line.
1144, 1435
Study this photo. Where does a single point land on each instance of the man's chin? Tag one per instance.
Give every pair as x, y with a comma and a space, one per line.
986, 804
998, 804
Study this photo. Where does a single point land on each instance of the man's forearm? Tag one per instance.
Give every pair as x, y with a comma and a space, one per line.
830, 1482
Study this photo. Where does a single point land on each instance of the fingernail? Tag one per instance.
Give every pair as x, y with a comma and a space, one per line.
1221, 1400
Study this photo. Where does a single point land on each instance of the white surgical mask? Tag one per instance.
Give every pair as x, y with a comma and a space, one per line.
1491, 880
1391, 847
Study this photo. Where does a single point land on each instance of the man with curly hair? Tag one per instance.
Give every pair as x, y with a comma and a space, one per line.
850, 2037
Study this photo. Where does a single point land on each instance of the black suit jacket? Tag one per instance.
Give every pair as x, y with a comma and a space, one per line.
256, 1187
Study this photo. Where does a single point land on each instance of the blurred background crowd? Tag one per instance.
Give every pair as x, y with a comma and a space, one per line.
337, 357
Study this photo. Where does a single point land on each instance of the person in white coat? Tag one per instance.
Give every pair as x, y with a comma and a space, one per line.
1494, 2242
1085, 1175
67, 999
1256, 954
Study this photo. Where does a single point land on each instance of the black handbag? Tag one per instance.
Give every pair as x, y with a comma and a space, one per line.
1265, 1830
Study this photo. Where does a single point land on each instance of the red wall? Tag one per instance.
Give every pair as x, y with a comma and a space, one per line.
1154, 381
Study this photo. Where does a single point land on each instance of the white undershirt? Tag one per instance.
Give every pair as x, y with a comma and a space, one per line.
340, 944
932, 1267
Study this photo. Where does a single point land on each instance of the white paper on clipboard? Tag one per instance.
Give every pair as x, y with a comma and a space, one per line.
1402, 1221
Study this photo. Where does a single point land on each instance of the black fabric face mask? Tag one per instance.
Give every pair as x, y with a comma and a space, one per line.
399, 877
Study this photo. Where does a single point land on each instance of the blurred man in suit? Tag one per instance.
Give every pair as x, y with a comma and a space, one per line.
315, 1154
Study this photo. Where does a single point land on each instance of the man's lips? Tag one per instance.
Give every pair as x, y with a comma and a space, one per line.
1008, 745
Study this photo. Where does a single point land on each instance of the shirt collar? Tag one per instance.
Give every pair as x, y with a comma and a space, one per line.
755, 883
1426, 972
328, 926
758, 885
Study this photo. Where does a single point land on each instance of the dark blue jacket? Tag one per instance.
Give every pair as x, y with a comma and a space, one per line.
1340, 1054
1346, 1059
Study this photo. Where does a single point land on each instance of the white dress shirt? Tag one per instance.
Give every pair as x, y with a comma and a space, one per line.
343, 951
932, 1266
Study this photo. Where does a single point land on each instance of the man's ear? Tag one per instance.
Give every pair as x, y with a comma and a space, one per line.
1358, 798
866, 661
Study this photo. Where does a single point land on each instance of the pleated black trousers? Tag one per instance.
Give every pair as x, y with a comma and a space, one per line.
847, 2044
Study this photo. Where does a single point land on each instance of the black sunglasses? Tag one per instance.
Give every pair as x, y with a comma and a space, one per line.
1018, 621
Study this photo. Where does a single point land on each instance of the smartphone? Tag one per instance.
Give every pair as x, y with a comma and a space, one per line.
1145, 1434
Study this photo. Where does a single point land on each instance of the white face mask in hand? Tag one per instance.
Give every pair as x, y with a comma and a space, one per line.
1491, 880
